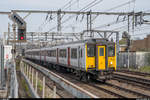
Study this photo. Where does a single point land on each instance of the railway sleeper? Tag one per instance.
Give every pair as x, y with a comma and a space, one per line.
138, 80
132, 83
130, 91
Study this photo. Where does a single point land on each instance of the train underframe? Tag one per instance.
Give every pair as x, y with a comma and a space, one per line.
82, 75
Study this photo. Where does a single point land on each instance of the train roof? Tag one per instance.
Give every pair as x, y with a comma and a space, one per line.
92, 40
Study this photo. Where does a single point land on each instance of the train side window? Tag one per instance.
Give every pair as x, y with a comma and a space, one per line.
50, 53
62, 53
53, 52
81, 53
45, 53
101, 51
41, 53
74, 53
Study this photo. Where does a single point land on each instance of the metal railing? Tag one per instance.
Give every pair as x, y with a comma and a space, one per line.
27, 79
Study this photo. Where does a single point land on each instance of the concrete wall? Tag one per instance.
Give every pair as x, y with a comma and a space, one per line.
136, 59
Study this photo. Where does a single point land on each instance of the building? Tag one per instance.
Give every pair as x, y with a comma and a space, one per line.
141, 45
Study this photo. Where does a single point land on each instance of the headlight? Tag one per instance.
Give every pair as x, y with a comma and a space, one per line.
111, 62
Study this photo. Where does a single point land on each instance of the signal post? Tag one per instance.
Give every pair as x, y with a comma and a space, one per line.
21, 27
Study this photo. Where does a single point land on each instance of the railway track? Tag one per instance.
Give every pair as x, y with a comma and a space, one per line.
134, 72
132, 83
115, 90
138, 94
107, 90
98, 91
133, 78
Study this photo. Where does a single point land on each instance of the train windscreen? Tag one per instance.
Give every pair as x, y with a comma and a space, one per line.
90, 51
111, 51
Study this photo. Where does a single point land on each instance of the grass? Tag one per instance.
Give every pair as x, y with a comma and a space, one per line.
26, 87
23, 82
17, 65
145, 69
39, 84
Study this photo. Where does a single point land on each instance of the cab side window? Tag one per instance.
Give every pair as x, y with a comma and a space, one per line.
74, 53
101, 50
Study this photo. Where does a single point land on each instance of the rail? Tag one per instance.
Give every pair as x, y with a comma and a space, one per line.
134, 72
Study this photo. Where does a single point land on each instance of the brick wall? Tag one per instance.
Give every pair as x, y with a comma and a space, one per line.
148, 42
141, 45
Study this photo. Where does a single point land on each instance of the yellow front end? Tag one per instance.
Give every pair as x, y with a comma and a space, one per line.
101, 54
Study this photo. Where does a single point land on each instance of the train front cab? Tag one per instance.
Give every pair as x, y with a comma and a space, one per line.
103, 61
106, 60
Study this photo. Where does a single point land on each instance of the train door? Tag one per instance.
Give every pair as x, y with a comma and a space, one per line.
68, 56
101, 57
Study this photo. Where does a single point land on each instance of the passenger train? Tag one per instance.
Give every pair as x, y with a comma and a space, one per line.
91, 58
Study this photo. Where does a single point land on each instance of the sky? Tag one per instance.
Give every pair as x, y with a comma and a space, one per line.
37, 22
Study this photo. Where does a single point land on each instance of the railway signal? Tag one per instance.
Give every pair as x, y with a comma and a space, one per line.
21, 26
21, 34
